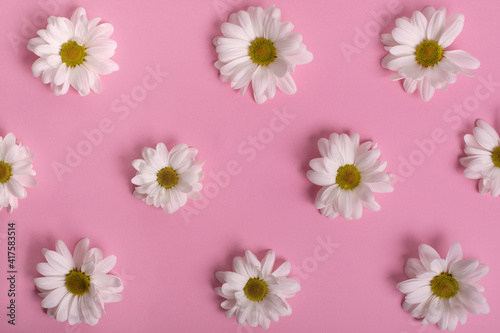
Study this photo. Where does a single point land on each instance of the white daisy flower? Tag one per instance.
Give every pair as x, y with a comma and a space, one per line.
483, 158
73, 52
16, 172
349, 173
255, 294
418, 51
168, 179
257, 47
75, 287
443, 290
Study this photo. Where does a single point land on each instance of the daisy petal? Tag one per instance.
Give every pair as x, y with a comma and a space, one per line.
427, 255
454, 253
436, 25
451, 33
462, 59
53, 299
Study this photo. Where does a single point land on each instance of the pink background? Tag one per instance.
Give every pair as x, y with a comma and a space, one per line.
168, 262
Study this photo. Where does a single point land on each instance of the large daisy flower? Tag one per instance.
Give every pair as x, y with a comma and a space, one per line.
418, 51
73, 52
483, 158
349, 173
168, 179
257, 47
75, 287
443, 290
255, 294
16, 171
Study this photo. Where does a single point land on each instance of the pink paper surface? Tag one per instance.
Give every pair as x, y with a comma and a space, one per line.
168, 262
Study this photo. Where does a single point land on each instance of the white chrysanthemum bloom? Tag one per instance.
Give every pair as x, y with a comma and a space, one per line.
75, 287
443, 290
349, 173
483, 158
255, 294
73, 52
168, 179
257, 47
418, 52
16, 172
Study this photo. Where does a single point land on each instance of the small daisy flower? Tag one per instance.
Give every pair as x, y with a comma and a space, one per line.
73, 52
75, 287
349, 173
443, 290
257, 47
483, 158
168, 179
16, 172
255, 294
418, 51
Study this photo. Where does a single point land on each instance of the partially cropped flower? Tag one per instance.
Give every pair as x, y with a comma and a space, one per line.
257, 47
16, 171
168, 178
254, 293
443, 290
76, 287
73, 52
350, 173
419, 54
483, 158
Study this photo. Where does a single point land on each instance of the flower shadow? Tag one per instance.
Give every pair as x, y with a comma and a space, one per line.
227, 265
310, 151
410, 250
467, 127
36, 244
223, 9
28, 26
125, 159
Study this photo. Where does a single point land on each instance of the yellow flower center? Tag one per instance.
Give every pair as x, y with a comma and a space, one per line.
167, 177
429, 53
5, 172
348, 177
495, 156
255, 289
77, 282
72, 54
444, 285
262, 51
